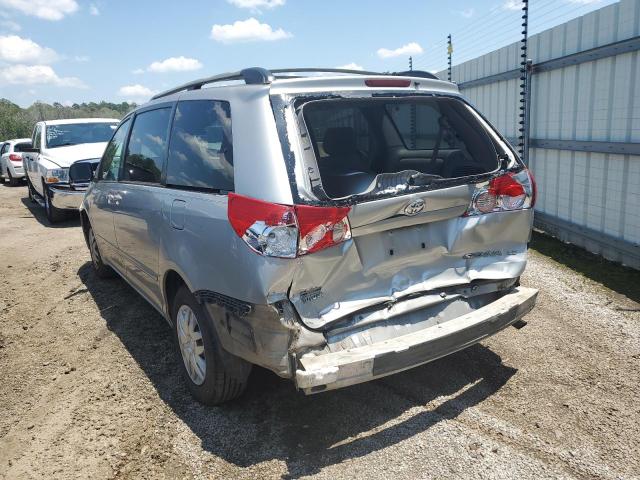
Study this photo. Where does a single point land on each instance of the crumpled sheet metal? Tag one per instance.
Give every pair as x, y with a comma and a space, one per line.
388, 265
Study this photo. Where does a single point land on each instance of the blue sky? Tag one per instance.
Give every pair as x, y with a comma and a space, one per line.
116, 50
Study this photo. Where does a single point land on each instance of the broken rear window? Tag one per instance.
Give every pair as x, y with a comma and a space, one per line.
359, 142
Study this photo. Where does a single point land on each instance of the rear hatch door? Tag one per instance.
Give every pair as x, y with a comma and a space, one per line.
409, 168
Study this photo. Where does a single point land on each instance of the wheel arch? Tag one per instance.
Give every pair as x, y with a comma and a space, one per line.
85, 224
171, 283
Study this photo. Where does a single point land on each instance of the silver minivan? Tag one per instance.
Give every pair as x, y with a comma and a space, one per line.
333, 227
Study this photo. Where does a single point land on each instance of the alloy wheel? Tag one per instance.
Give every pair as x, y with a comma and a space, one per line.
191, 344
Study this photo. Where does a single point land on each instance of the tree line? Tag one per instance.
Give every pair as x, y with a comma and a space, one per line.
17, 122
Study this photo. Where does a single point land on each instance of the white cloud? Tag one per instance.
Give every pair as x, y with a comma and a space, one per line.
136, 92
256, 5
138, 71
467, 12
512, 5
94, 10
351, 66
250, 30
412, 48
37, 74
23, 50
11, 25
45, 9
175, 64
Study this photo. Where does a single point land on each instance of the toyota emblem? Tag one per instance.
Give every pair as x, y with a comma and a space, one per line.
414, 207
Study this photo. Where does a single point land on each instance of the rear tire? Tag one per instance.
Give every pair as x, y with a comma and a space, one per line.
101, 270
12, 181
54, 215
213, 375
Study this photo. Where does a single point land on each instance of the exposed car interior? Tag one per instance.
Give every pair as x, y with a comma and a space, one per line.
354, 141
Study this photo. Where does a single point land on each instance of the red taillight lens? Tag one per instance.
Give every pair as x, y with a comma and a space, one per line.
321, 227
287, 231
14, 157
511, 191
387, 82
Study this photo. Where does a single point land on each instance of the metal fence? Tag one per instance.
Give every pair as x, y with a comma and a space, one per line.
584, 144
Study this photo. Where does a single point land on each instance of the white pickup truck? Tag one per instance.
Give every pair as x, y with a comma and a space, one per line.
61, 162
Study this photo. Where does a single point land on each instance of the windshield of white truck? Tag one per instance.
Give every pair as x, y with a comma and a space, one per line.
77, 133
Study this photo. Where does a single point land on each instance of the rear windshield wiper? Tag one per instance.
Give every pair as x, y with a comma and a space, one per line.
66, 144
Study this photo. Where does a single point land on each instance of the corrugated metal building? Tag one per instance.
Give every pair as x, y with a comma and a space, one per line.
585, 124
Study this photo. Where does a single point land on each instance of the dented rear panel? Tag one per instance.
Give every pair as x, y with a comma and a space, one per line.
380, 266
411, 233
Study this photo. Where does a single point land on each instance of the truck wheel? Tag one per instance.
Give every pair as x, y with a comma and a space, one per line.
12, 181
213, 375
31, 191
101, 270
54, 215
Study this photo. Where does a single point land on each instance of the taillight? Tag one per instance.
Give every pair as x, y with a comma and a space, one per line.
511, 191
14, 157
285, 231
321, 227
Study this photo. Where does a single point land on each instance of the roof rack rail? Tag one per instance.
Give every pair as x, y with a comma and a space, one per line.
262, 76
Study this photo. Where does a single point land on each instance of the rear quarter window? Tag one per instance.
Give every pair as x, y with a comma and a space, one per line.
201, 146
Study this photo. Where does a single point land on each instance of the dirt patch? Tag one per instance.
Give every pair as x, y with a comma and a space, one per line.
90, 386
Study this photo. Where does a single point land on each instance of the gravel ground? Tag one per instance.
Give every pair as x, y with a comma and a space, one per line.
90, 386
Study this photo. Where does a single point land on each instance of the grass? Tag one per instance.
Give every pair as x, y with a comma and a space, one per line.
614, 276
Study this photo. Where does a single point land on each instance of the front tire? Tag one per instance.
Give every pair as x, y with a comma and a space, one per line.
54, 215
101, 270
31, 191
213, 375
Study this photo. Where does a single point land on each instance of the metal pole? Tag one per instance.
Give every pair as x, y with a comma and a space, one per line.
523, 139
449, 53
410, 63
527, 117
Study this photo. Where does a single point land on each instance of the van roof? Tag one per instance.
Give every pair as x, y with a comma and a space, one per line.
320, 79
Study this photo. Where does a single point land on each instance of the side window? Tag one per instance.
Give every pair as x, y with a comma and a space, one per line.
4, 149
112, 157
147, 146
201, 150
36, 136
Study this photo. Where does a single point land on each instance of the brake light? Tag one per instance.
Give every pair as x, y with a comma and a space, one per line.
321, 227
387, 82
14, 157
286, 231
511, 191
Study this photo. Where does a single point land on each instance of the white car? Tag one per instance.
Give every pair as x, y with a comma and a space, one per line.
11, 160
61, 162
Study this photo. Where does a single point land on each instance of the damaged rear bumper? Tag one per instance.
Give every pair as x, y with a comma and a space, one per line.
339, 369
